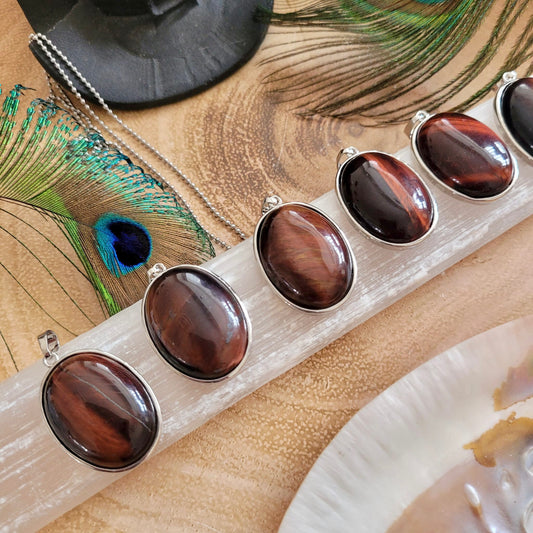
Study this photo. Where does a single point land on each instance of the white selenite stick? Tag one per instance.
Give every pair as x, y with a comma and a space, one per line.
39, 481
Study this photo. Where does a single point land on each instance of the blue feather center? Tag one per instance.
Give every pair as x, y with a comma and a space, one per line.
124, 245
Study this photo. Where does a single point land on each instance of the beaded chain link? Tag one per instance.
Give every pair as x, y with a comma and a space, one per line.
52, 52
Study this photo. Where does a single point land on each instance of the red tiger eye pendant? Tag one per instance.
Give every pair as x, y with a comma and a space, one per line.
100, 410
196, 322
514, 108
304, 256
385, 198
464, 155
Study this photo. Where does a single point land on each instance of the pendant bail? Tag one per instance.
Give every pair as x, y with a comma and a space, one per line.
156, 271
418, 117
508, 77
49, 344
345, 154
270, 202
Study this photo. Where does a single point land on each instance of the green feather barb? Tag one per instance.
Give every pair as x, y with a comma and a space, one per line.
118, 220
380, 60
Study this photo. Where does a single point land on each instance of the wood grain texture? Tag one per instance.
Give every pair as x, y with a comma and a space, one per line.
239, 471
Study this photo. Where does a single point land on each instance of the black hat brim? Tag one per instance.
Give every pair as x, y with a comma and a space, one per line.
145, 60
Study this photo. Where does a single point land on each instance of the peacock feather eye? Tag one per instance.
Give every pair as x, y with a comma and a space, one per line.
124, 244
115, 217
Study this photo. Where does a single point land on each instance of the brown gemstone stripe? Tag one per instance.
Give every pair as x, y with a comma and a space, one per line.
514, 107
305, 257
465, 155
386, 198
100, 410
196, 323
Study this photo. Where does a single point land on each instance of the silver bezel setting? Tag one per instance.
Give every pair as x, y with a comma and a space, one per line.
158, 270
508, 79
266, 213
420, 118
63, 357
352, 153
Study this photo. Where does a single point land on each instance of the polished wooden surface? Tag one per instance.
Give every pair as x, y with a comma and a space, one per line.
239, 471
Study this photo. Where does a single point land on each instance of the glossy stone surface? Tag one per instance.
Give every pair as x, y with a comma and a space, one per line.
196, 323
517, 112
465, 154
100, 411
304, 256
386, 198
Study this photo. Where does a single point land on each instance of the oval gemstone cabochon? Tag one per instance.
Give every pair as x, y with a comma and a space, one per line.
196, 323
100, 411
516, 109
465, 154
386, 198
305, 257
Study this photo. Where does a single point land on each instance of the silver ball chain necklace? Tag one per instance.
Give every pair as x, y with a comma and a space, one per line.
87, 116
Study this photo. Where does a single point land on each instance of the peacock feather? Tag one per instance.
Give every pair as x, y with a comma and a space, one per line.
380, 59
116, 219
